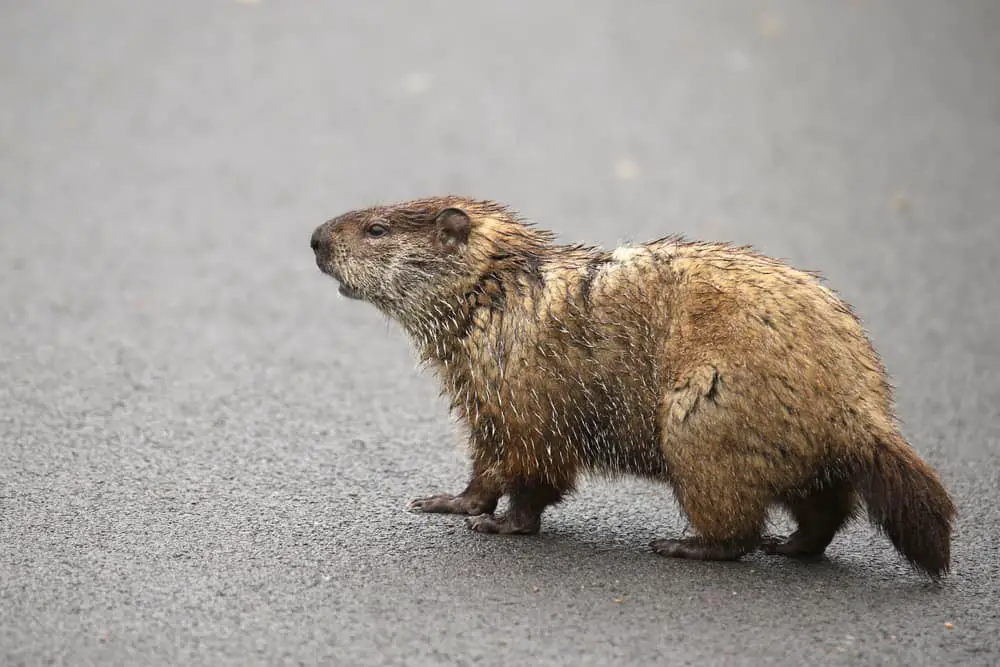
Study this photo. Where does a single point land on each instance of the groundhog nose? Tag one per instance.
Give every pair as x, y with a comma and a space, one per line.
317, 239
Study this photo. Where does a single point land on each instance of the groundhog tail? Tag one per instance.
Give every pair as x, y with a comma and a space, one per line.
907, 502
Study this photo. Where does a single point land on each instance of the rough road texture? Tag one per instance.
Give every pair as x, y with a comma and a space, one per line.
206, 454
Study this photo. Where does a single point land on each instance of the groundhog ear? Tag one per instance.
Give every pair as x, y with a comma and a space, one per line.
453, 226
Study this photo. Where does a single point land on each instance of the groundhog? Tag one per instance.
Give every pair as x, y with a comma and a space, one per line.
740, 381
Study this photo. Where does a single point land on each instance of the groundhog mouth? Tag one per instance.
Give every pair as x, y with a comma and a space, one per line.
342, 287
350, 292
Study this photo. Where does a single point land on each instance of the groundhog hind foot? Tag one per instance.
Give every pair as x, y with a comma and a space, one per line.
444, 503
699, 548
796, 545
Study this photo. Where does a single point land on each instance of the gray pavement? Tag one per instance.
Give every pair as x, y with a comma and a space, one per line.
205, 453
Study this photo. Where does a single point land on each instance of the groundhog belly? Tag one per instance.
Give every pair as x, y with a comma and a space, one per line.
574, 398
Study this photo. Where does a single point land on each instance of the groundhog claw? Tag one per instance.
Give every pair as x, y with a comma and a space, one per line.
482, 524
699, 549
444, 503
772, 544
794, 546
440, 503
488, 524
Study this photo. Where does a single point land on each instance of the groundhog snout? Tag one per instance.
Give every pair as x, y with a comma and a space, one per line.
320, 241
322, 244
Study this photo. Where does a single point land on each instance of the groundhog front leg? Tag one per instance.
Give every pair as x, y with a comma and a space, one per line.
480, 497
524, 517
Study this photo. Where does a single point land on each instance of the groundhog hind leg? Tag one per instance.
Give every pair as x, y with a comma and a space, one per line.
528, 499
480, 497
726, 516
715, 481
820, 514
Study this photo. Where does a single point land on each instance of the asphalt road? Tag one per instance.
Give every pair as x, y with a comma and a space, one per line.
205, 454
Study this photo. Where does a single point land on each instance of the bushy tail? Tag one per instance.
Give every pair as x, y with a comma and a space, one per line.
907, 502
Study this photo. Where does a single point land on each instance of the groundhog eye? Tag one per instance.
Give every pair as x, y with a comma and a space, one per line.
376, 230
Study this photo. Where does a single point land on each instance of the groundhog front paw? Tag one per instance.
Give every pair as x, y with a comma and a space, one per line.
501, 526
444, 503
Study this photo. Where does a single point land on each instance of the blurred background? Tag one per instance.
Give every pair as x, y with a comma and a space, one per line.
204, 453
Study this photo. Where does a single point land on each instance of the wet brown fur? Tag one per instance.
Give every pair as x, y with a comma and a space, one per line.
742, 382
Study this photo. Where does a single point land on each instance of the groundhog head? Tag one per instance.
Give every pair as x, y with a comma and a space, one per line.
396, 256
